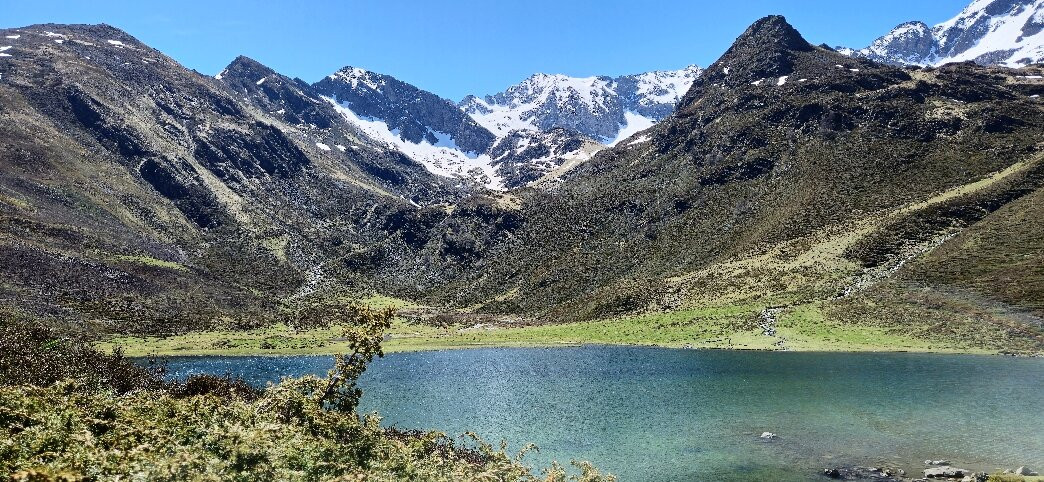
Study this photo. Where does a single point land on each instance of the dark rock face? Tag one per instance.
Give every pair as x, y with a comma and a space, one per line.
263, 149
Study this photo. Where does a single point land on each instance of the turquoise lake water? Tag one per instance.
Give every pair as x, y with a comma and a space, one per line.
673, 415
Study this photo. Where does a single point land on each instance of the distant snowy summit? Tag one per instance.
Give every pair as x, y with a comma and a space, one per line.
529, 134
990, 32
606, 109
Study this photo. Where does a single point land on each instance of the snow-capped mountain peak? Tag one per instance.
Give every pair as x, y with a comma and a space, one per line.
356, 76
994, 32
601, 107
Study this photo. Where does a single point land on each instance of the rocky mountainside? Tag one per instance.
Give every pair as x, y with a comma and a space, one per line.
530, 132
989, 32
790, 174
140, 193
436, 133
603, 108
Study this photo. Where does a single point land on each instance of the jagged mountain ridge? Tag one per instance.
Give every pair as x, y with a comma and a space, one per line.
603, 108
438, 134
989, 32
468, 140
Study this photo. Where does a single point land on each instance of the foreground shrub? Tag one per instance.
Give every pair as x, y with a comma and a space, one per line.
67, 431
34, 354
69, 413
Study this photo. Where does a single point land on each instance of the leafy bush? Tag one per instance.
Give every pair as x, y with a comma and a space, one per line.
34, 354
70, 413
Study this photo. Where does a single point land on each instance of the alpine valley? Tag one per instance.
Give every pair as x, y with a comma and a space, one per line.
788, 196
614, 268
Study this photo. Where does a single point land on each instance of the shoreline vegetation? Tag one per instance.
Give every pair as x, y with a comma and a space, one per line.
800, 328
69, 412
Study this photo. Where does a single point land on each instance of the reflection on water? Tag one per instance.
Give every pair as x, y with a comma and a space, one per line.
659, 414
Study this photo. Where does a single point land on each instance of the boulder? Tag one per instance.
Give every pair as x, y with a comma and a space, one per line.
1026, 471
945, 472
936, 462
769, 436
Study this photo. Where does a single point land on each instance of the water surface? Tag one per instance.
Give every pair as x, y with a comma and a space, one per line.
661, 414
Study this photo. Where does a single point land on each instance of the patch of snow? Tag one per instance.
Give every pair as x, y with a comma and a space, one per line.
757, 82
6, 47
443, 158
322, 146
667, 86
116, 43
726, 70
221, 74
5, 55
782, 80
259, 82
502, 119
341, 148
633, 124
854, 70
1021, 76
802, 80
52, 34
59, 41
642, 138
14, 37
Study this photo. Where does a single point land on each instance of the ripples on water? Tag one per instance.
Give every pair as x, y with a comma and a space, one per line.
659, 414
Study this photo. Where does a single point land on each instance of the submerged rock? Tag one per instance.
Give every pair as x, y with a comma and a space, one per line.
769, 436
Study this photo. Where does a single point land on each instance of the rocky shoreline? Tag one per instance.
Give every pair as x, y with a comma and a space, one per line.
934, 470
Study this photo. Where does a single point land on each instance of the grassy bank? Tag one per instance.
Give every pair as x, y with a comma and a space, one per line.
802, 328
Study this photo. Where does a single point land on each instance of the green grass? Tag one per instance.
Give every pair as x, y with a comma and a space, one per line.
150, 261
804, 328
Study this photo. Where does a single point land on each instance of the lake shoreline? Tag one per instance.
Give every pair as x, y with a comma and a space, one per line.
823, 411
137, 353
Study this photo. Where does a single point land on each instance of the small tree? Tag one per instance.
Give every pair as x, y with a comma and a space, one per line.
363, 329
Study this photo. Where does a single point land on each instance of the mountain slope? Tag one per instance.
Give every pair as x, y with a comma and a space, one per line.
989, 32
780, 157
139, 195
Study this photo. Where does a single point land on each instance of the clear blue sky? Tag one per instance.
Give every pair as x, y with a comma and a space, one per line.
459, 47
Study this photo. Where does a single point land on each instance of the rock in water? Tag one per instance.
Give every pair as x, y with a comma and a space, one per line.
944, 472
1025, 471
769, 436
